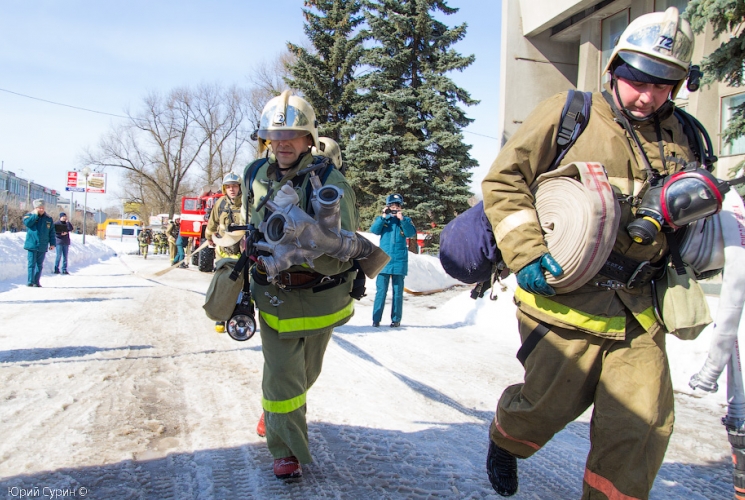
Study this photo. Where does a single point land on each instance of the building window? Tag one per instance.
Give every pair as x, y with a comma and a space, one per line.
612, 27
736, 147
662, 5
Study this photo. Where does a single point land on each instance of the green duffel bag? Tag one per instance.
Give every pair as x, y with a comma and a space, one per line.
684, 310
223, 292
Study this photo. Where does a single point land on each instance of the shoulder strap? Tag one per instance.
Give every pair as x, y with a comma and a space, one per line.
250, 174
574, 118
698, 138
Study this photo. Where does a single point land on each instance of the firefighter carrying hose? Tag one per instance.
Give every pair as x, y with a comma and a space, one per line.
300, 307
226, 211
600, 344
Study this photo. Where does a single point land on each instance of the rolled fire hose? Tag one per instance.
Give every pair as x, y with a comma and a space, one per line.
731, 297
579, 215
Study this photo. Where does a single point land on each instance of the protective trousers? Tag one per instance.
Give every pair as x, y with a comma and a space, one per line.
172, 251
291, 366
397, 301
629, 383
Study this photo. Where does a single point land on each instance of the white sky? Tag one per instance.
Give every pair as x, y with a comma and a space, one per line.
106, 56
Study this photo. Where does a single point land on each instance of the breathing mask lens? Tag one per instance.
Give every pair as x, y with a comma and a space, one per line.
690, 196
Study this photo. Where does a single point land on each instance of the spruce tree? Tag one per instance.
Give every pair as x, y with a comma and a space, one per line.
727, 63
406, 134
325, 74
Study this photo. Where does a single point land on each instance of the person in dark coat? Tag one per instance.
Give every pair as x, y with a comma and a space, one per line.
40, 236
62, 228
393, 228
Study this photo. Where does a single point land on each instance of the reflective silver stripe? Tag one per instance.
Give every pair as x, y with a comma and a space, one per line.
513, 221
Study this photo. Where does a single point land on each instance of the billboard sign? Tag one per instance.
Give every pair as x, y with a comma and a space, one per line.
96, 182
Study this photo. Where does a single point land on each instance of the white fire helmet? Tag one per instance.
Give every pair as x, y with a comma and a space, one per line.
286, 117
659, 44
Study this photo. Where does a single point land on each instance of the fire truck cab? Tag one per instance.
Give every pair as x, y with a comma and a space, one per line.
195, 212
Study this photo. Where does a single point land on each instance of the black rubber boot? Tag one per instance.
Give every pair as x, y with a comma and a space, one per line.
501, 467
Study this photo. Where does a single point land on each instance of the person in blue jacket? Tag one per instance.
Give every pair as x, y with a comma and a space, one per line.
63, 243
40, 236
393, 228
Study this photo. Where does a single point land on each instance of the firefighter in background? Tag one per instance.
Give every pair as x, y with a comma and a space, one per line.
297, 315
160, 242
600, 344
172, 234
226, 211
145, 238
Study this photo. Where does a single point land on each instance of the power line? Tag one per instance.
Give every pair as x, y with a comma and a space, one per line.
127, 117
481, 135
61, 104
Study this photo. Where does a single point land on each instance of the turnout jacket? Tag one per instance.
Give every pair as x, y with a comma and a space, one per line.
223, 213
303, 312
509, 206
40, 234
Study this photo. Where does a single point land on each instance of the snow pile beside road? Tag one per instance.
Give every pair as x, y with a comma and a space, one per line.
15, 263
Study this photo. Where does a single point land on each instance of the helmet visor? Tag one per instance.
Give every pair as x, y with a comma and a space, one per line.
281, 135
652, 66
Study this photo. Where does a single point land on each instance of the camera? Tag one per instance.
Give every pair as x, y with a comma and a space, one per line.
389, 211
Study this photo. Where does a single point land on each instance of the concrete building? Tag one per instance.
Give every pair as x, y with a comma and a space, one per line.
20, 192
549, 46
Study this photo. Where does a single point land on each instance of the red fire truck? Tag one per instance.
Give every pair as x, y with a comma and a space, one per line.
195, 212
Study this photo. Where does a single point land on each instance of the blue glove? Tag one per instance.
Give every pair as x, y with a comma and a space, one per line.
531, 277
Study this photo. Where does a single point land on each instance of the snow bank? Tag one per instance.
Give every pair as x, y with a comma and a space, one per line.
14, 257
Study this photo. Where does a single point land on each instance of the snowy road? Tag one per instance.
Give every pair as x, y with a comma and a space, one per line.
113, 384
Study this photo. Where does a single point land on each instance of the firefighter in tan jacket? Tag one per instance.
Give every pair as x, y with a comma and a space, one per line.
226, 211
600, 344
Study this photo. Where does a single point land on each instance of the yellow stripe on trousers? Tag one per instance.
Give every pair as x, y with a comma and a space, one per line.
286, 406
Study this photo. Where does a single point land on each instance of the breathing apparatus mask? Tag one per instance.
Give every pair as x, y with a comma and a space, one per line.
241, 326
676, 200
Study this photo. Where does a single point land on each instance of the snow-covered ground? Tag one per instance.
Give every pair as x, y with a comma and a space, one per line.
113, 384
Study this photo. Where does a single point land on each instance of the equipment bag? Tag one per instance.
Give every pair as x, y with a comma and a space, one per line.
468, 250
681, 304
223, 292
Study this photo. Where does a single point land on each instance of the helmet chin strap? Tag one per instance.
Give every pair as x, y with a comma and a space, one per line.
662, 113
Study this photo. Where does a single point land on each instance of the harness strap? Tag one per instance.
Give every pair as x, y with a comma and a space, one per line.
628, 273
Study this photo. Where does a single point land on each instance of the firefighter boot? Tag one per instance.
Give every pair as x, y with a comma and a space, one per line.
501, 467
287, 468
261, 426
220, 326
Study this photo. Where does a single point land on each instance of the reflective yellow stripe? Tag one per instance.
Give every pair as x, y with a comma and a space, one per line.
646, 318
286, 406
307, 323
565, 314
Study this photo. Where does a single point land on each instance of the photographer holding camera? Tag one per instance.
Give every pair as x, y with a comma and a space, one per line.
393, 229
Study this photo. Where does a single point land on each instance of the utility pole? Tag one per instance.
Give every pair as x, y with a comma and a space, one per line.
86, 173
